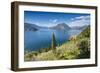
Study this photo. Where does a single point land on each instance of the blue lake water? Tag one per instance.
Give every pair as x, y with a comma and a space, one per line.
34, 40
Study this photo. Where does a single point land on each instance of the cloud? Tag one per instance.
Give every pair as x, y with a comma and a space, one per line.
83, 17
72, 19
80, 21
53, 20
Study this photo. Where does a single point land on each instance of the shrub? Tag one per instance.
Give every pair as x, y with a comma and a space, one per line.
30, 56
84, 46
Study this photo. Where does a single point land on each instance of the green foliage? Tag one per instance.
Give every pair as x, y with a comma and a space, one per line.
30, 56
53, 44
84, 43
73, 38
50, 55
44, 49
85, 33
67, 54
84, 46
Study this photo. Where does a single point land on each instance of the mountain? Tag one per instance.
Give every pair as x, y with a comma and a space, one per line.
79, 27
61, 26
33, 27
30, 27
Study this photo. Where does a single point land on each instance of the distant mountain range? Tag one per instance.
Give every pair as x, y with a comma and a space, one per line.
32, 27
61, 26
79, 27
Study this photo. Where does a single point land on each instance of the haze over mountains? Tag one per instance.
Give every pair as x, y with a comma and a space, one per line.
61, 26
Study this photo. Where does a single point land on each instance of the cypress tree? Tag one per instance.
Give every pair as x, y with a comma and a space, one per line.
53, 45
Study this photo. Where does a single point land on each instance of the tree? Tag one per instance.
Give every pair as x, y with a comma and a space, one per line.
53, 44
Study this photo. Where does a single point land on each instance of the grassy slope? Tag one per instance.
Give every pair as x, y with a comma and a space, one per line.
68, 50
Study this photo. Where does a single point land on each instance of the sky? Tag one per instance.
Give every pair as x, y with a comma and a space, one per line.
49, 19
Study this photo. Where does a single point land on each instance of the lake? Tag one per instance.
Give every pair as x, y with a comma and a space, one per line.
35, 40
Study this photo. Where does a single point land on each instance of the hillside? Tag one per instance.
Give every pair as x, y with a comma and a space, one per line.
30, 27
85, 33
78, 47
